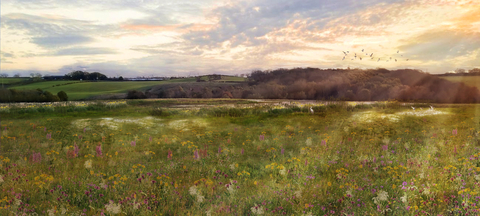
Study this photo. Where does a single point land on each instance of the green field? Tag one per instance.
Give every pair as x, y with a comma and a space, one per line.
468, 80
12, 80
83, 90
140, 158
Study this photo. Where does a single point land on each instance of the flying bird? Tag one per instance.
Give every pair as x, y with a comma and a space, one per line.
431, 107
407, 59
378, 59
413, 108
362, 50
395, 60
343, 58
371, 55
398, 51
344, 53
360, 58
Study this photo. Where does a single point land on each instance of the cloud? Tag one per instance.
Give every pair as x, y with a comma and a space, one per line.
60, 41
53, 32
74, 51
439, 45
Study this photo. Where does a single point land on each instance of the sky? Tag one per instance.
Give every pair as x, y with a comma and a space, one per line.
133, 38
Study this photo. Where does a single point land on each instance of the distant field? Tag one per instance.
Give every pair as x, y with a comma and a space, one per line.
225, 78
11, 80
468, 80
82, 90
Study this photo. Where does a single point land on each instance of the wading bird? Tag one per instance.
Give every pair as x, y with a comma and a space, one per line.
311, 110
431, 107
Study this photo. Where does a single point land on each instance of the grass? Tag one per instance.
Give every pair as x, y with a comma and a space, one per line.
144, 158
83, 90
12, 80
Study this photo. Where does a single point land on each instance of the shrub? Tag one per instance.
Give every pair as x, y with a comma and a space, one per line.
134, 94
62, 96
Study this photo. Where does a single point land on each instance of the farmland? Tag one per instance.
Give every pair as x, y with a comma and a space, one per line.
81, 90
236, 157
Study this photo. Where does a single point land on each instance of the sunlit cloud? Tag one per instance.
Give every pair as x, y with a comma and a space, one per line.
185, 37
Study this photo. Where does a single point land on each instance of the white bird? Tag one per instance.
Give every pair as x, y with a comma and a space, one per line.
413, 108
311, 110
431, 107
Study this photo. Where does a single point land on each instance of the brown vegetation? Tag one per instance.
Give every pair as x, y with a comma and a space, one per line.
330, 84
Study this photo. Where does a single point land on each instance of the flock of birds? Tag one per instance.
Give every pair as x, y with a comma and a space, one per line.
368, 56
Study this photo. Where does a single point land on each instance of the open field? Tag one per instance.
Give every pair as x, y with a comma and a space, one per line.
468, 80
82, 90
12, 80
151, 157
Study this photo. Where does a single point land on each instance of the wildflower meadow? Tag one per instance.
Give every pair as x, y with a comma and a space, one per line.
239, 158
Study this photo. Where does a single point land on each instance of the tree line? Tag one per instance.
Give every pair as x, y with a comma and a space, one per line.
330, 84
15, 95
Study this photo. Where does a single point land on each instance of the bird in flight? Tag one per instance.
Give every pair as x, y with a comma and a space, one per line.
407, 59
343, 58
398, 51
360, 58
413, 108
378, 59
362, 50
395, 60
371, 55
344, 53
431, 107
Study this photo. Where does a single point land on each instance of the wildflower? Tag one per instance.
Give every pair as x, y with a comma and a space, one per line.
262, 137
196, 155
98, 149
88, 164
193, 190
381, 196
113, 208
258, 210
76, 150
454, 132
298, 193
169, 154
242, 150
308, 142
133, 143
324, 143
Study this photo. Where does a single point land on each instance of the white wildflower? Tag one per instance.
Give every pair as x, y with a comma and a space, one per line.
422, 175
88, 164
231, 189
308, 214
298, 193
283, 172
232, 166
200, 198
426, 191
51, 212
136, 205
258, 210
113, 208
209, 212
404, 198
349, 192
17, 202
477, 177
381, 196
63, 210
308, 142
1, 179
193, 190
386, 141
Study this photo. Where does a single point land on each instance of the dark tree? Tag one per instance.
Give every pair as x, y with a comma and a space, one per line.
62, 96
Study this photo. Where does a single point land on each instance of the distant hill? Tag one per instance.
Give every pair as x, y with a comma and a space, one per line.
333, 84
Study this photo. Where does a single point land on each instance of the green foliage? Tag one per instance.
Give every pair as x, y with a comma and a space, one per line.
62, 96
